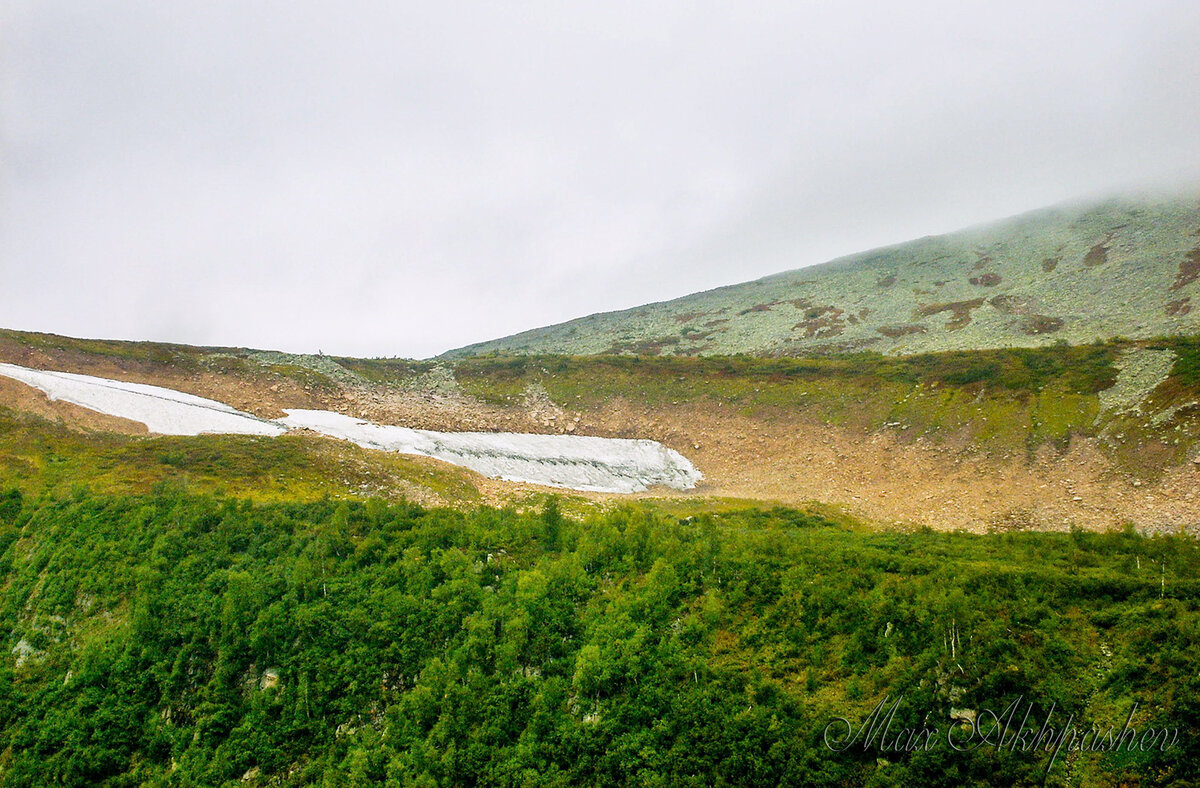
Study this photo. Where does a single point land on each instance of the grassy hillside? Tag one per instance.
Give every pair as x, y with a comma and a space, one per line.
1068, 274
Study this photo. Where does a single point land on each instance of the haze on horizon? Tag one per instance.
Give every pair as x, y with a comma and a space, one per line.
391, 179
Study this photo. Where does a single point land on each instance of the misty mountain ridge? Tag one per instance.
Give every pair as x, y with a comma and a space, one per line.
1124, 267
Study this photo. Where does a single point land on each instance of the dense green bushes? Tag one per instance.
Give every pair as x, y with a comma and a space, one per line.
193, 640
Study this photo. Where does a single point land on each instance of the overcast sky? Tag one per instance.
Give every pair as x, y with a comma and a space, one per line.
398, 178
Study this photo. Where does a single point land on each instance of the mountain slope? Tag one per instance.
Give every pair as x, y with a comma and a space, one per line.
1090, 436
1127, 267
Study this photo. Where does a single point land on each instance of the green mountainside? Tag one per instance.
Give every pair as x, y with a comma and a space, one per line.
1126, 267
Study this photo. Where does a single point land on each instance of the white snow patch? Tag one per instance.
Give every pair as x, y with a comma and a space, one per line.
164, 411
575, 461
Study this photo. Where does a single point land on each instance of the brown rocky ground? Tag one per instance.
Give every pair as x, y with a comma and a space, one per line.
883, 479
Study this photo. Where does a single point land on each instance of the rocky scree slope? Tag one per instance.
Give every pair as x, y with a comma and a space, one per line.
1123, 268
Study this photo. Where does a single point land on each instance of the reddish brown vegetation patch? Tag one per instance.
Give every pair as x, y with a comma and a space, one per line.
1031, 321
1189, 270
960, 312
983, 262
821, 321
759, 308
901, 330
687, 317
987, 280
1050, 263
1179, 308
860, 317
1040, 324
1098, 254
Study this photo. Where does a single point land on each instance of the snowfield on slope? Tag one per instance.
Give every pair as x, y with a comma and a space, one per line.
162, 410
578, 462
573, 461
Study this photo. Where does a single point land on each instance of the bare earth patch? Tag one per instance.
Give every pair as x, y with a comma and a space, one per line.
885, 478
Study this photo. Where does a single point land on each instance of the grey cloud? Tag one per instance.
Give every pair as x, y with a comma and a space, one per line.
401, 178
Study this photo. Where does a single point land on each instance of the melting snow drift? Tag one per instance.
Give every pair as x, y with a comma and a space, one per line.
165, 411
574, 461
